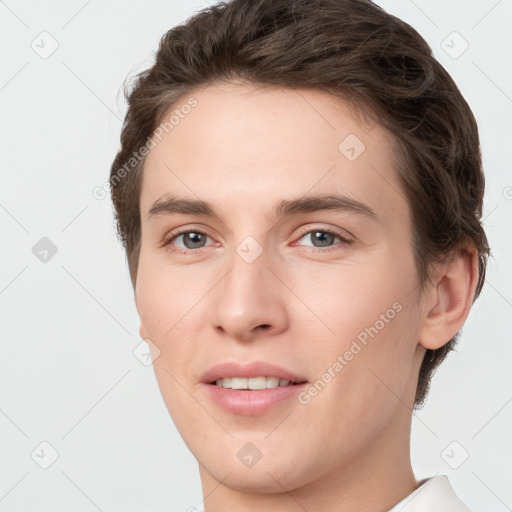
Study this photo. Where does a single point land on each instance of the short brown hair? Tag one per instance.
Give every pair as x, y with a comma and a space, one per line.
355, 50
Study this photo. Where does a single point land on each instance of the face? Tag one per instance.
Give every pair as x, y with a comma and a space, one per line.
275, 232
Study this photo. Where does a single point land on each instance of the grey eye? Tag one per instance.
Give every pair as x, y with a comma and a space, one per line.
320, 238
192, 239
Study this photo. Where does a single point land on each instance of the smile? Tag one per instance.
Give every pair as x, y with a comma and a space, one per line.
253, 383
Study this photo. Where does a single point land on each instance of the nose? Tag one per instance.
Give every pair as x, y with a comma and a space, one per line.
249, 300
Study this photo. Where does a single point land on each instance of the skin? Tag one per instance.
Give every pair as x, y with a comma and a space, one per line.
243, 149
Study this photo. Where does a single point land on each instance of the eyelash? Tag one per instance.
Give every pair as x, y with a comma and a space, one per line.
180, 231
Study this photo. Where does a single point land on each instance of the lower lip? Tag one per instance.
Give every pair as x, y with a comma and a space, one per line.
251, 402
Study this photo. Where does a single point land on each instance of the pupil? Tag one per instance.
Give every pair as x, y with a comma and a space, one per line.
325, 239
194, 238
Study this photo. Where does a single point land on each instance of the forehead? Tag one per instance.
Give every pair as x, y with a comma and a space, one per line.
247, 143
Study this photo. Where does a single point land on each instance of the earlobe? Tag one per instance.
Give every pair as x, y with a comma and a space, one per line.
450, 300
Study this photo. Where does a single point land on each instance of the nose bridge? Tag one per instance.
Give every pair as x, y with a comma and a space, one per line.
248, 297
245, 284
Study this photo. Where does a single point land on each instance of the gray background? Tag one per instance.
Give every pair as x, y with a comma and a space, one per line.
68, 375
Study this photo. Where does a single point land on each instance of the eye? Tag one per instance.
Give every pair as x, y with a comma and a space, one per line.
190, 239
324, 238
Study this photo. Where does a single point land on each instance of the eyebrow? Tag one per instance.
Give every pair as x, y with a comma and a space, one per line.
169, 205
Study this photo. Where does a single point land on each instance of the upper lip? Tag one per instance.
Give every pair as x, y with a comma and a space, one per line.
249, 369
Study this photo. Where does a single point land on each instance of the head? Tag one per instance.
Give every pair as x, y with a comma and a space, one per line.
252, 105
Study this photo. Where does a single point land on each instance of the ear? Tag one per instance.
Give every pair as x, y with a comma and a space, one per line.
449, 299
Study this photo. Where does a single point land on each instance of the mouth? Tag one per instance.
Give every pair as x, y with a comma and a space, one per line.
251, 388
253, 375
253, 383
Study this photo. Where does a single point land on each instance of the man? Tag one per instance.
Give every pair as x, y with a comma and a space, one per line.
299, 191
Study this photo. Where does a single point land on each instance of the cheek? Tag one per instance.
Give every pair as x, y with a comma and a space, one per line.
360, 386
366, 330
345, 302
169, 306
167, 296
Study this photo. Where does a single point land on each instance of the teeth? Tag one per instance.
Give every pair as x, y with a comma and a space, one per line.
252, 383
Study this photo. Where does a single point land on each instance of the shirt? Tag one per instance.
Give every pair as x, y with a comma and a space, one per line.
433, 495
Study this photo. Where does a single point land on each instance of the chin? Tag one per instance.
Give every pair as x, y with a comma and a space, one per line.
259, 481
278, 473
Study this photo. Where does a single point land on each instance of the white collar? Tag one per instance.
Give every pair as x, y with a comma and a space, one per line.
433, 494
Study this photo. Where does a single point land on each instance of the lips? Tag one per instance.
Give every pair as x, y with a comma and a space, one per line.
249, 370
249, 401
